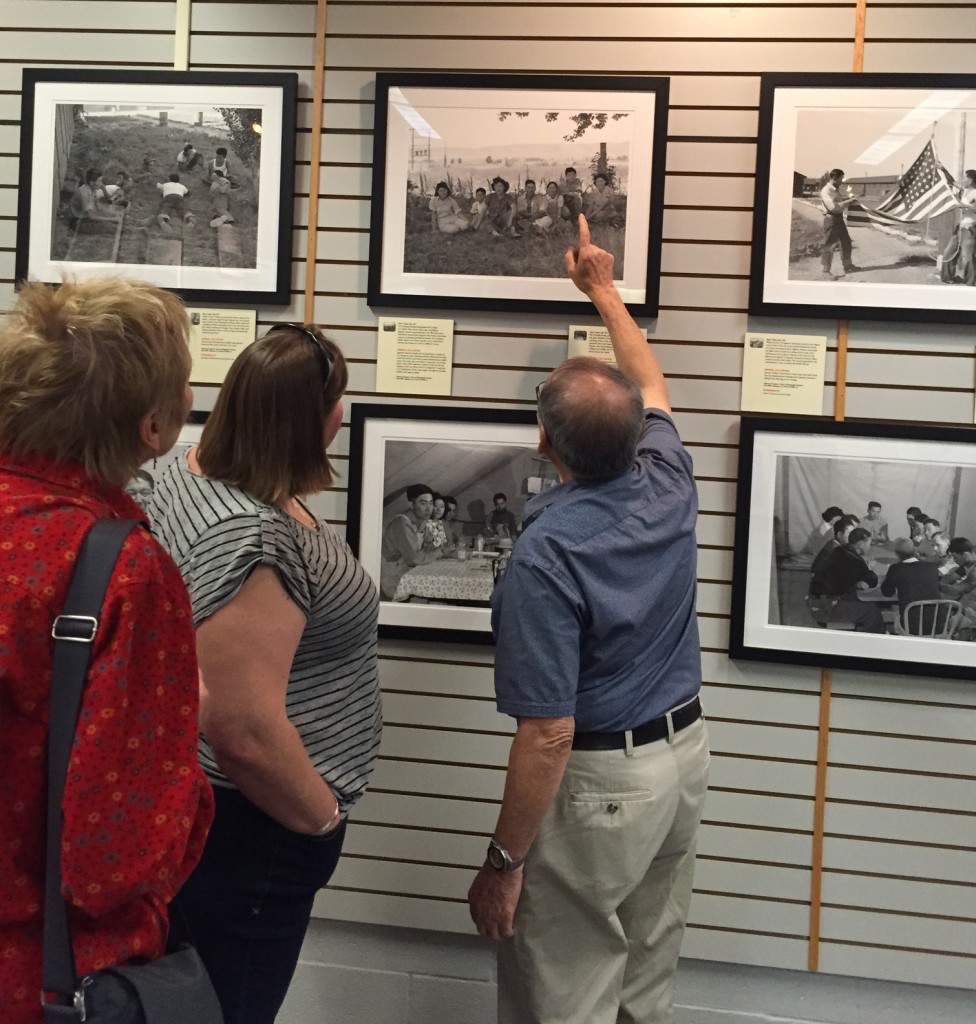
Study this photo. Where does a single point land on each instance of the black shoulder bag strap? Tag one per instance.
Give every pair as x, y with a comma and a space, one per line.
74, 632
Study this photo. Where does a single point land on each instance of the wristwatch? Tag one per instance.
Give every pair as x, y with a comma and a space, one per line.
501, 860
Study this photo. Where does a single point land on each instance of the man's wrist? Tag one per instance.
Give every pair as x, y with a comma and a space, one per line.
603, 293
501, 860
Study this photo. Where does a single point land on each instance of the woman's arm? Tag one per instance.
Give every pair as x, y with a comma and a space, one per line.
246, 650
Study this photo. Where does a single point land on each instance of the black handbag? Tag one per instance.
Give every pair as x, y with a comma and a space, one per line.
174, 989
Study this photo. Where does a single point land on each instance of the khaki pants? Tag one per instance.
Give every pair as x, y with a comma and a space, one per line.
607, 886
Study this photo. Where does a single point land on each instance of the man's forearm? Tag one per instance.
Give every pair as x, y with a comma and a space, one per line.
536, 764
634, 356
591, 269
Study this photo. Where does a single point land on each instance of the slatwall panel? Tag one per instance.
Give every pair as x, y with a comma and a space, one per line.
899, 873
895, 901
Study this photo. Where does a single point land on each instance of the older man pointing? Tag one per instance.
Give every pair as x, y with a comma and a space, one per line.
588, 877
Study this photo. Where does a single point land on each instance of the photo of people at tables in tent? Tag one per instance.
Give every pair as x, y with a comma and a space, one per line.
881, 547
451, 514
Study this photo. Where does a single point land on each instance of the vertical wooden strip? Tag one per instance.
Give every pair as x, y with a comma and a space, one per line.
315, 170
840, 374
181, 36
823, 726
860, 19
819, 807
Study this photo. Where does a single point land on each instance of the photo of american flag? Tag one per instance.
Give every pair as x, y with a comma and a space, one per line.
923, 191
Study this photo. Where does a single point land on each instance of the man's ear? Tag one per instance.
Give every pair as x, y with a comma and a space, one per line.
150, 434
544, 447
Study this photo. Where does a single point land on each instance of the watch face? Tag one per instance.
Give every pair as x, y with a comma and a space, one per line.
495, 858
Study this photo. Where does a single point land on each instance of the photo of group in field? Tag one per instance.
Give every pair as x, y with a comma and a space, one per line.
478, 187
177, 179
466, 222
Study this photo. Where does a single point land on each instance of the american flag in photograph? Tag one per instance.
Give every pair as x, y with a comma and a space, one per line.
923, 191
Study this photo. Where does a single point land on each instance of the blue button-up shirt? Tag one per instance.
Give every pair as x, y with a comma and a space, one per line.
595, 614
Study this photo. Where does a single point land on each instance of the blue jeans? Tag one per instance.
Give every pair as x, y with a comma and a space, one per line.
247, 905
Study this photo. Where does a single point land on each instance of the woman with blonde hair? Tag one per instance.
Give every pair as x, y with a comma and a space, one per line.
93, 381
286, 634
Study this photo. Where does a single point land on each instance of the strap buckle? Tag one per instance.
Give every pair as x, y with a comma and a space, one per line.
79, 629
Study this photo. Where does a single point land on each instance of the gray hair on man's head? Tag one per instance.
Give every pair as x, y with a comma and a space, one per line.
593, 416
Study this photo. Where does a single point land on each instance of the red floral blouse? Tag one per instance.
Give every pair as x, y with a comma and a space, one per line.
136, 805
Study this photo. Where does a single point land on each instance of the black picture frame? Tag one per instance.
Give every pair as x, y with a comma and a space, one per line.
791, 471
467, 453
136, 123
528, 121
877, 128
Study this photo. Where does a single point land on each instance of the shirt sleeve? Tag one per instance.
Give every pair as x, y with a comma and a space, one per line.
866, 574
538, 620
660, 442
830, 199
225, 555
407, 545
137, 806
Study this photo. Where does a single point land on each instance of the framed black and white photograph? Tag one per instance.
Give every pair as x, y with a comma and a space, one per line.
854, 546
436, 499
479, 180
865, 203
183, 179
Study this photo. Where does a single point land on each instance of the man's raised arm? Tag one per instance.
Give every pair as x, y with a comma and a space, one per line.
591, 270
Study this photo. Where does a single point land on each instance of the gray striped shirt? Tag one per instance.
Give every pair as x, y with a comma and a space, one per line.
217, 535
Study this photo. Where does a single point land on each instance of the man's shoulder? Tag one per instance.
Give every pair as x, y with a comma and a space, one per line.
660, 439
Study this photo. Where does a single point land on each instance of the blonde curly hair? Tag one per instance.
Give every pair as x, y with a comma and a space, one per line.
81, 365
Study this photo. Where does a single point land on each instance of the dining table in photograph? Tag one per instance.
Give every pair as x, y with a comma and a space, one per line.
469, 581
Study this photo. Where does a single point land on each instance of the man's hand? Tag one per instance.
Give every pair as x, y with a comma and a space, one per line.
492, 899
589, 266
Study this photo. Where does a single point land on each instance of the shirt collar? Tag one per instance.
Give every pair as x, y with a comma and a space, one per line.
71, 477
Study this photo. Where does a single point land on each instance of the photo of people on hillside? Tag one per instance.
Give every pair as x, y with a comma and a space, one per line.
148, 185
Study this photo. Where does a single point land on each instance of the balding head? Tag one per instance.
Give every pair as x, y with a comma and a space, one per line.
593, 416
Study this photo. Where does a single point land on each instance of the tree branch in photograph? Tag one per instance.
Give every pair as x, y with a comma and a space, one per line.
244, 127
583, 121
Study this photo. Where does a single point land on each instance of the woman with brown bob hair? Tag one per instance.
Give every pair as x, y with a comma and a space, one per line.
93, 381
286, 635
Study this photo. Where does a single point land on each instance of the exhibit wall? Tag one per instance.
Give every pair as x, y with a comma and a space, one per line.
896, 894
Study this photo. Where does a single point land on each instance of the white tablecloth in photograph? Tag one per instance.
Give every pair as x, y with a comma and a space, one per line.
449, 579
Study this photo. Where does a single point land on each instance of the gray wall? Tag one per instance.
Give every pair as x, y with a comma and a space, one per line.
899, 875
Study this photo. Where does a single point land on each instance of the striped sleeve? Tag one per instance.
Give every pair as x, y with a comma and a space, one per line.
226, 554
